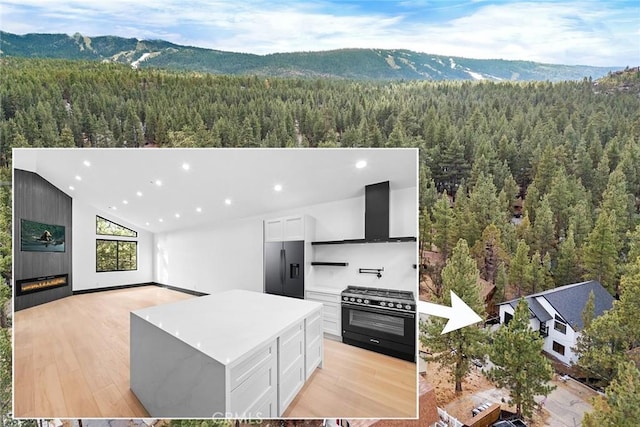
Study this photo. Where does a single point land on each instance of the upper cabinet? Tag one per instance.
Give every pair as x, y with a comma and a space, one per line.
287, 228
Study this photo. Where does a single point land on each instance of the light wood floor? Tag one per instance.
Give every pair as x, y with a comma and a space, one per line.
71, 360
357, 383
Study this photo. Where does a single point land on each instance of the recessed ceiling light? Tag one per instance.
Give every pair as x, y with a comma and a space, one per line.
186, 166
71, 187
87, 163
177, 215
78, 178
113, 208
198, 210
139, 193
227, 201
146, 223
158, 182
126, 202
361, 164
161, 220
277, 187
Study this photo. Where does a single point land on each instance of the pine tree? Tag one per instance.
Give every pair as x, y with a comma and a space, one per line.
454, 351
5, 375
489, 253
617, 201
520, 271
443, 225
600, 254
544, 229
538, 276
604, 342
484, 209
426, 236
588, 313
601, 347
502, 280
548, 282
520, 366
629, 304
66, 138
582, 222
568, 268
621, 405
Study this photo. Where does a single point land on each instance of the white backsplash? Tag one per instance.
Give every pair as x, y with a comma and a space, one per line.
397, 259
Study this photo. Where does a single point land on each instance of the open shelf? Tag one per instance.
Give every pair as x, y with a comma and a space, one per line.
334, 264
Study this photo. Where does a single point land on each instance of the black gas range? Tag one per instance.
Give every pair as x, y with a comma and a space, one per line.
382, 320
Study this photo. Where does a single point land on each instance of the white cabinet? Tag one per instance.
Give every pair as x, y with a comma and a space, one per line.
253, 384
295, 227
313, 343
291, 358
331, 309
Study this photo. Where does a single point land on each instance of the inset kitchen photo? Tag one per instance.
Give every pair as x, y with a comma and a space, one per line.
215, 283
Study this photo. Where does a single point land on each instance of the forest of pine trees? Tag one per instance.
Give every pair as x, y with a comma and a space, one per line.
572, 154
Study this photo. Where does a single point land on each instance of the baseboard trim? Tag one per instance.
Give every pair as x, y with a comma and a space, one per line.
109, 288
186, 291
137, 285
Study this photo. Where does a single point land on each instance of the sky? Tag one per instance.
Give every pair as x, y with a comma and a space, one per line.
571, 32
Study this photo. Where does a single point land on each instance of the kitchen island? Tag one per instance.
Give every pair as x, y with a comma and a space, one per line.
230, 354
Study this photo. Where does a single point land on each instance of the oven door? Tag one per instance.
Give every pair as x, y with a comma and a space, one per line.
388, 325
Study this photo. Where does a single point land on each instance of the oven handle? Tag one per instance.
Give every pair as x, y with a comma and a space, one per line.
379, 310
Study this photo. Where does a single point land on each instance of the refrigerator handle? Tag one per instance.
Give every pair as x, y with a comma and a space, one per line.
283, 263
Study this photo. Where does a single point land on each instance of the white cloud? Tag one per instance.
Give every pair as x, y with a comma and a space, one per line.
559, 33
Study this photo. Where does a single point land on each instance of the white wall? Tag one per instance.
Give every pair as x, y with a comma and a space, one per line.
84, 252
229, 255
568, 340
221, 256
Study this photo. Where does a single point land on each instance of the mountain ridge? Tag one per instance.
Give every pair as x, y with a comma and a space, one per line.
345, 63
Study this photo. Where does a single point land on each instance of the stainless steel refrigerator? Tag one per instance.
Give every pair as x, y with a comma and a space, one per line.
284, 268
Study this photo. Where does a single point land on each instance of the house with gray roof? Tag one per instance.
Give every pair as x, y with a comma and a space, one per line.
557, 314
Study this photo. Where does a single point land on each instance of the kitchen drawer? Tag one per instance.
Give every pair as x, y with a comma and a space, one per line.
257, 391
313, 356
332, 326
313, 328
290, 364
331, 310
267, 407
252, 363
323, 297
290, 382
313, 343
291, 346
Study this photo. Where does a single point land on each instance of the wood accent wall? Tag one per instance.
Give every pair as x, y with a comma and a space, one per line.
36, 199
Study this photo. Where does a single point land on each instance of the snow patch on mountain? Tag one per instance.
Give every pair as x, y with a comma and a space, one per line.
476, 76
137, 62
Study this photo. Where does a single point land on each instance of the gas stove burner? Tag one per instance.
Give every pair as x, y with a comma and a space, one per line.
382, 298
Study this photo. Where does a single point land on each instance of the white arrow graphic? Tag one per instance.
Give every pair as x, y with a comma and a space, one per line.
459, 314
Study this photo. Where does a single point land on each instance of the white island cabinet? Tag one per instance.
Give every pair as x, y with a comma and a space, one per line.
231, 354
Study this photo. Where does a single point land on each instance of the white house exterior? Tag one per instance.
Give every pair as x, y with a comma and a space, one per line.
557, 314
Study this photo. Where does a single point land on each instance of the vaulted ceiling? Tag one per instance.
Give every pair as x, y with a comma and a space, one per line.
167, 189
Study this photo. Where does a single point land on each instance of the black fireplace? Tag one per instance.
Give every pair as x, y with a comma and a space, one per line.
38, 284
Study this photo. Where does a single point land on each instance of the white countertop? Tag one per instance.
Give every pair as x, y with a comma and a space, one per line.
227, 325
